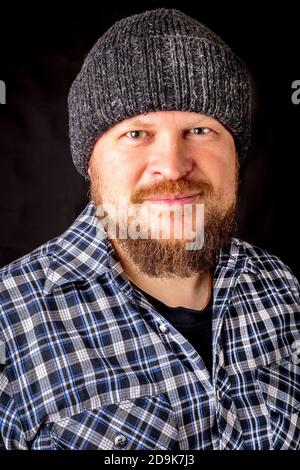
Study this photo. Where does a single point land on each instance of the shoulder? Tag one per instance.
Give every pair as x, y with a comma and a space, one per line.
19, 276
267, 265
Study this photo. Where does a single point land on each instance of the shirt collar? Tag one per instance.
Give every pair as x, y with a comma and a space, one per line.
80, 253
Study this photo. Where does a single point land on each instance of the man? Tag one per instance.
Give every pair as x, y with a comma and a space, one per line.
156, 339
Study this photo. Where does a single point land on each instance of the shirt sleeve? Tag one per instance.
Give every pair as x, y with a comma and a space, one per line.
11, 433
294, 283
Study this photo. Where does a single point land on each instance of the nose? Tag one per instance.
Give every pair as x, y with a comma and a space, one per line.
170, 157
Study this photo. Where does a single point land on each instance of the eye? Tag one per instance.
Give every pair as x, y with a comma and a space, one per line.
134, 135
201, 130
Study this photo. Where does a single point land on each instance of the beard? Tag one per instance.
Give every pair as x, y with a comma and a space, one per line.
169, 258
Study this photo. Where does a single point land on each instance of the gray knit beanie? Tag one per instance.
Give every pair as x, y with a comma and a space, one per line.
158, 60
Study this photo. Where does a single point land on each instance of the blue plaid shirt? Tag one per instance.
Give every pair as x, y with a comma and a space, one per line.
90, 363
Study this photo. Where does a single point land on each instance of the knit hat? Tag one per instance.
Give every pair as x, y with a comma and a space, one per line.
157, 60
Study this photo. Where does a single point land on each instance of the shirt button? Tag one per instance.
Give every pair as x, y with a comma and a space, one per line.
120, 441
164, 328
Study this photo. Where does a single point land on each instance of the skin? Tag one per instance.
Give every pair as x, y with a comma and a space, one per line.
160, 148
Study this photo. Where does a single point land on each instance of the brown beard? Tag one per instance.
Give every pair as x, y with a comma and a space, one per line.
158, 258
169, 258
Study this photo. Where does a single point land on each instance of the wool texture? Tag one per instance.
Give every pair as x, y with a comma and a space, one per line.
158, 60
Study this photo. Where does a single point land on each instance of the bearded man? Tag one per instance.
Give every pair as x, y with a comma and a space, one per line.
147, 324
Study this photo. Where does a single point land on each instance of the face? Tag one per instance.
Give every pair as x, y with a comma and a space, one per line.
160, 163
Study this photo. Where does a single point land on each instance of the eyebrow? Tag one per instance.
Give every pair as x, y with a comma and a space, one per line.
138, 122
144, 123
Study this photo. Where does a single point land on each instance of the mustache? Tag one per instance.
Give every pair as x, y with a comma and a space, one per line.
181, 186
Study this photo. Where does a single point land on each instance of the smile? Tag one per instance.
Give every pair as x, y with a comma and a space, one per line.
173, 199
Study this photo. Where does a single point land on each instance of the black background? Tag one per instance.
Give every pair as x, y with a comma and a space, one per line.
41, 51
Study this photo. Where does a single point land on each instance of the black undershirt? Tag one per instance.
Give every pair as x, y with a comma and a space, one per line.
194, 325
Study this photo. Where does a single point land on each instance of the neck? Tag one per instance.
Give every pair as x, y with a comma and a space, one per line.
193, 292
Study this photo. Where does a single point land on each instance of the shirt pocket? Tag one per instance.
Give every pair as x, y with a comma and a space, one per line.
142, 423
279, 383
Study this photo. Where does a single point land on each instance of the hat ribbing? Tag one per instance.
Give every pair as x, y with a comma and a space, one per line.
158, 60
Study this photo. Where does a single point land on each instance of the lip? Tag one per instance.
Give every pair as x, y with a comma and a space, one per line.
173, 199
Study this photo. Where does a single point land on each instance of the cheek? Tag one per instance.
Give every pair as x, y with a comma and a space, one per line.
221, 173
228, 182
118, 178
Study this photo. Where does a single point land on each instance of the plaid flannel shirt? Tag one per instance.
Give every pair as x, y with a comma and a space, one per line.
90, 363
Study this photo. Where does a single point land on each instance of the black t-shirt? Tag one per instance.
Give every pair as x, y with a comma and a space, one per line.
194, 325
